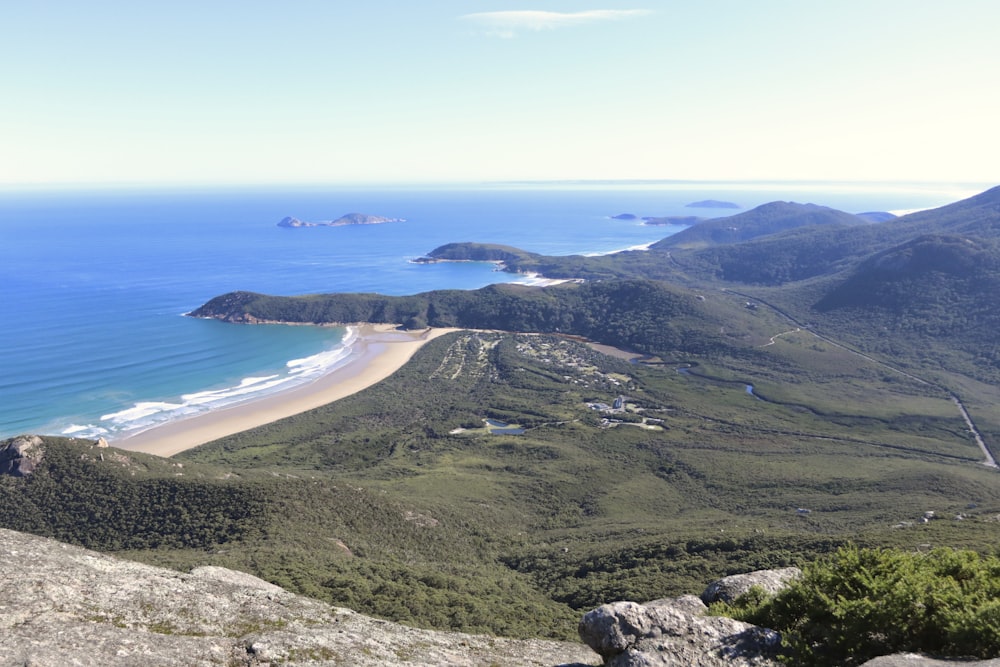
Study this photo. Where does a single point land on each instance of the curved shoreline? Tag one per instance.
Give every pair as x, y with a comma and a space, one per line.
381, 350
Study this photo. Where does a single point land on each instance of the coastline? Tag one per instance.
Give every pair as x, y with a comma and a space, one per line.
379, 351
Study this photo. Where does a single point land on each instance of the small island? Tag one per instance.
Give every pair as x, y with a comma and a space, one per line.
342, 221
624, 216
475, 252
712, 203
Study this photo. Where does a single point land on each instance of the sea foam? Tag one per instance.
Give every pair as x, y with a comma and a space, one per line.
148, 414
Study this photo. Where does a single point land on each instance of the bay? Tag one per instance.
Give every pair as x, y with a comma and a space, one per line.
95, 282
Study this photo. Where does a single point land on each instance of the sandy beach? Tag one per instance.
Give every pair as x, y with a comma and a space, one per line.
379, 351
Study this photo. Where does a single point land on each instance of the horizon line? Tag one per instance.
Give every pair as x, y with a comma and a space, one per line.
34, 186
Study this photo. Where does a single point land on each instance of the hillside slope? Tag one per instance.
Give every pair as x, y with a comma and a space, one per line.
763, 220
806, 253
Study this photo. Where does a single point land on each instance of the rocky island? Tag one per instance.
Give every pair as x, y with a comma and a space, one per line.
342, 221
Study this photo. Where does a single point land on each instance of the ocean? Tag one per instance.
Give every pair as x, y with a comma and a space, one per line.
96, 283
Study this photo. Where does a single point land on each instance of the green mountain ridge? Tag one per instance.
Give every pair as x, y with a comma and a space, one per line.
926, 280
911, 266
805, 252
763, 220
642, 315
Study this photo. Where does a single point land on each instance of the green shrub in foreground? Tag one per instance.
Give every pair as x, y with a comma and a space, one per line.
862, 603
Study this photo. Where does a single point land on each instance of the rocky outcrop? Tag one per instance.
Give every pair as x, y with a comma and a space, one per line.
913, 660
20, 456
63, 605
675, 632
729, 588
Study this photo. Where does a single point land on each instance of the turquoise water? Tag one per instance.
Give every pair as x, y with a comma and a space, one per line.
95, 283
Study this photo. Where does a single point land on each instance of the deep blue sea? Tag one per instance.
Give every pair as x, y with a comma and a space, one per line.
93, 340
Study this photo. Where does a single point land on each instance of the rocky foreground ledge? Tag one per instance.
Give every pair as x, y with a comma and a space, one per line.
676, 632
62, 605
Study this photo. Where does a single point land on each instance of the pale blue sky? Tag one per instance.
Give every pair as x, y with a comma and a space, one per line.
474, 90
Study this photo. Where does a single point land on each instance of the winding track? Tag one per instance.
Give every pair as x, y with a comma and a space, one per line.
989, 459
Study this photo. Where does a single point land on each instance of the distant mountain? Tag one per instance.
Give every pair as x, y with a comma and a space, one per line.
347, 219
761, 221
808, 252
927, 298
943, 270
795, 255
978, 215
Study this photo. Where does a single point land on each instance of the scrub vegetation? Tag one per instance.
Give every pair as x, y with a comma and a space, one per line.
397, 502
857, 604
793, 399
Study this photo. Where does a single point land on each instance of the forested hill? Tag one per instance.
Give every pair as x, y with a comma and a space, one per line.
762, 221
967, 270
813, 251
477, 252
930, 297
642, 315
978, 215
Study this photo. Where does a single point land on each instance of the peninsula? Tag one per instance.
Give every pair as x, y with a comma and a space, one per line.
342, 221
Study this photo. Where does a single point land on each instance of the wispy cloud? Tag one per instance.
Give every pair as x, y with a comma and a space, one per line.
509, 23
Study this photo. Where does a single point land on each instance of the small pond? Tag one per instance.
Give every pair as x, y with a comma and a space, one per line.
497, 427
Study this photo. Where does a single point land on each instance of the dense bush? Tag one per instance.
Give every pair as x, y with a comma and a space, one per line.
861, 603
75, 498
642, 315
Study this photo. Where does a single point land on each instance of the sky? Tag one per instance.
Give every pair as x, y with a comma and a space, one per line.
441, 91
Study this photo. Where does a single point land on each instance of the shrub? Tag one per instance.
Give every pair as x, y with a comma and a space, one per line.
861, 603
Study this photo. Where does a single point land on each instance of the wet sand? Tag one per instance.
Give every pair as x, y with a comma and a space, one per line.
379, 351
